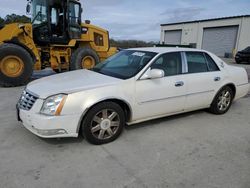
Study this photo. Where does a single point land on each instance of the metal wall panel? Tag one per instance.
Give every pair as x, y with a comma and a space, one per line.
220, 40
173, 37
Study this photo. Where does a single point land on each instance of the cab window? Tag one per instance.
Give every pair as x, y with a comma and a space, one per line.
98, 39
74, 13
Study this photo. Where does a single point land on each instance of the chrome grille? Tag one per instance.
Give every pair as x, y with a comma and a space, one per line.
27, 100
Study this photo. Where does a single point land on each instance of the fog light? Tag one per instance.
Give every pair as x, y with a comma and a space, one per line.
51, 132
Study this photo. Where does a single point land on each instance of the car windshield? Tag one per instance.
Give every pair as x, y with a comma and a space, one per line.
125, 64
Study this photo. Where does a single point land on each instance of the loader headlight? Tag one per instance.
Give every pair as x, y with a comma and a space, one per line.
53, 106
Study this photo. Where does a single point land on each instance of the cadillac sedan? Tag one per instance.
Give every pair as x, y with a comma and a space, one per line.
133, 86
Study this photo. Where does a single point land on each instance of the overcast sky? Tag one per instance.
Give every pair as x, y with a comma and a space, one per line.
134, 19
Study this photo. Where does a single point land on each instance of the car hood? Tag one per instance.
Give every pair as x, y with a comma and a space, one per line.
70, 82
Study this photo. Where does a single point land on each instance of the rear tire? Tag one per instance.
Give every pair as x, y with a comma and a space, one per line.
222, 101
238, 62
16, 65
84, 58
103, 123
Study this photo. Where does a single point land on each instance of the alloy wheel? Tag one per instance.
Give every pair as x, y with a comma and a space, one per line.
224, 100
105, 124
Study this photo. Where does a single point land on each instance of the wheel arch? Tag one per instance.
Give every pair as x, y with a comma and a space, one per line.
231, 85
121, 102
16, 42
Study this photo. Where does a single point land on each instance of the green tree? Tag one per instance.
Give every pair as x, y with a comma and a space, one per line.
12, 18
1, 21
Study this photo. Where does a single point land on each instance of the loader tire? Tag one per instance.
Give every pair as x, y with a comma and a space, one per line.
84, 58
16, 65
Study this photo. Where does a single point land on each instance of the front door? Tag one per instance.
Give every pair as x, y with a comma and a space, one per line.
162, 96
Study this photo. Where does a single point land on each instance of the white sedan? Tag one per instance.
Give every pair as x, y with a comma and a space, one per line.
133, 86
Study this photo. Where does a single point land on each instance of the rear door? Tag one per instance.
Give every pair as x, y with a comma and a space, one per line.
203, 79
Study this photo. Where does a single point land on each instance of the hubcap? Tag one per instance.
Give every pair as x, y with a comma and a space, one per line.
105, 124
224, 100
12, 66
88, 62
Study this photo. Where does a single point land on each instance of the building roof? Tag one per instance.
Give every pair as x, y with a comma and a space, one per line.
206, 20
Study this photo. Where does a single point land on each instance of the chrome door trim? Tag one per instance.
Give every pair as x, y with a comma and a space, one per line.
242, 84
189, 94
196, 93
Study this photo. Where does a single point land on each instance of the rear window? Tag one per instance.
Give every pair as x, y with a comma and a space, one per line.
211, 64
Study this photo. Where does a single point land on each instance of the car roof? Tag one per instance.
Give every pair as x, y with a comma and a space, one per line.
161, 50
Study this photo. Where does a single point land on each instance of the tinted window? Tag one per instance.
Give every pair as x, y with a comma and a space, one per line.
170, 63
196, 62
211, 64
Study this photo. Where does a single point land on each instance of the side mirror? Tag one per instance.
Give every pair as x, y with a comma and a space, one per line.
28, 8
153, 74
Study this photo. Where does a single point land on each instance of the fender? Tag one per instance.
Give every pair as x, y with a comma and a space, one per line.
16, 42
100, 101
228, 84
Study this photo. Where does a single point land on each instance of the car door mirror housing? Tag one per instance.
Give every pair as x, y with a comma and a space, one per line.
153, 74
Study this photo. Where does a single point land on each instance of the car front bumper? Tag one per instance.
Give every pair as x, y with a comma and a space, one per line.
49, 126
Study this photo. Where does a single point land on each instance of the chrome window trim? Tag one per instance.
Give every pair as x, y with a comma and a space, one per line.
184, 63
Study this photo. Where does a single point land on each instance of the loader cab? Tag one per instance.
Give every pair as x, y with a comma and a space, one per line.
56, 21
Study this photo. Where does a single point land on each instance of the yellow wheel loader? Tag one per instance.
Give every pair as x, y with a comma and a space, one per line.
56, 38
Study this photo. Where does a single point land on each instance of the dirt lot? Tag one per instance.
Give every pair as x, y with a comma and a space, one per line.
191, 150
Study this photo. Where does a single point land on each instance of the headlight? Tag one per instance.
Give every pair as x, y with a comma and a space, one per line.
53, 106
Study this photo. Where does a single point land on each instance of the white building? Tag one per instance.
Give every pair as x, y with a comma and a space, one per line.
219, 35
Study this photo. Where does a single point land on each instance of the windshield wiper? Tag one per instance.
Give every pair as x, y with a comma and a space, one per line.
38, 14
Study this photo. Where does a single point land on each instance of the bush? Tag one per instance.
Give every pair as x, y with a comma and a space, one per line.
124, 44
12, 18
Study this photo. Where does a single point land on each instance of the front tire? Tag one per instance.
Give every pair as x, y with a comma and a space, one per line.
84, 58
238, 61
16, 65
103, 123
222, 101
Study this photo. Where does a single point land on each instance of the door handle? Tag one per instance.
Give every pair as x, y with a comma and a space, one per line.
179, 84
216, 79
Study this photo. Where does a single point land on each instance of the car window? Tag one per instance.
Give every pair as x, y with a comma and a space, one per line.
196, 62
211, 64
170, 63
